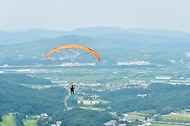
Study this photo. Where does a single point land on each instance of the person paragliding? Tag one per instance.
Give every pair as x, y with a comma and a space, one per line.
75, 46
72, 89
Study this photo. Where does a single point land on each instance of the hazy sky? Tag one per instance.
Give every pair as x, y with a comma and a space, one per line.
69, 14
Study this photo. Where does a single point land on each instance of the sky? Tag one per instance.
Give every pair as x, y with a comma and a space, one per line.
67, 15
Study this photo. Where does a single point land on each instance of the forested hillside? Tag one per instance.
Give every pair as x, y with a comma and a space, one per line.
24, 79
162, 98
27, 100
83, 117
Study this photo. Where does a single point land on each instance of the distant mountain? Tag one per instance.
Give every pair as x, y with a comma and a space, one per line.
94, 31
27, 36
112, 44
166, 33
36, 34
90, 31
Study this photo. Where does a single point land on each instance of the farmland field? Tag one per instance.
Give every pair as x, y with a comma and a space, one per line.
165, 125
180, 117
8, 120
111, 75
30, 122
93, 75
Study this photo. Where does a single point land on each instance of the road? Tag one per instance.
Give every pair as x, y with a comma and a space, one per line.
65, 101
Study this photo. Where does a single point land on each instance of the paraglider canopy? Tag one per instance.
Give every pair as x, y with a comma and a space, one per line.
73, 46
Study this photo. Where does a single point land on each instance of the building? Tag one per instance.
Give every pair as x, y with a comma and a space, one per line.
163, 78
110, 123
24, 71
122, 125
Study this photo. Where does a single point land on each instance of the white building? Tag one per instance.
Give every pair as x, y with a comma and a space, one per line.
163, 77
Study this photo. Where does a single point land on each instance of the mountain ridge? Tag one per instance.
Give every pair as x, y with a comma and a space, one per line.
36, 34
112, 47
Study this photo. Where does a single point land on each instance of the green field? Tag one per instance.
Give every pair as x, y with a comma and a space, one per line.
165, 125
30, 122
115, 75
92, 108
111, 75
8, 120
93, 75
178, 117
